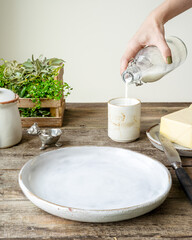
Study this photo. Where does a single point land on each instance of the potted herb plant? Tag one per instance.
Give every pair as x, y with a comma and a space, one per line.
39, 84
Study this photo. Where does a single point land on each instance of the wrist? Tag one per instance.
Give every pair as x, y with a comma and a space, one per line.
158, 17
161, 13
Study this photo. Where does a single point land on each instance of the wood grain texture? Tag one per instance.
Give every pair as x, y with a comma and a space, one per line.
23, 220
86, 124
56, 120
45, 103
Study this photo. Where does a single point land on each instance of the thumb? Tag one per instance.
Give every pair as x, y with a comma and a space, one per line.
130, 52
165, 51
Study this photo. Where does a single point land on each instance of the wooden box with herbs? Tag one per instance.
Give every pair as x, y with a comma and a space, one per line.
39, 84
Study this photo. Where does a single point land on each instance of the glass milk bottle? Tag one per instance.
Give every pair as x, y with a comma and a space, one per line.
149, 65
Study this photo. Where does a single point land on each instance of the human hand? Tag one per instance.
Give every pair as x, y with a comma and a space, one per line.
150, 33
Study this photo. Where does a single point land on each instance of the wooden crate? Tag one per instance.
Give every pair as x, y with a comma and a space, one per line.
57, 108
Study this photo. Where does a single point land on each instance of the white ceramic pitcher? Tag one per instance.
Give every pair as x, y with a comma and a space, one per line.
10, 121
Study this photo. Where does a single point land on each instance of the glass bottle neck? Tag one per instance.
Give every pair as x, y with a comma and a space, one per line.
132, 75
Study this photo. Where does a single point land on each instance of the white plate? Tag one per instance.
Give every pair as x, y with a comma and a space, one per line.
95, 184
152, 134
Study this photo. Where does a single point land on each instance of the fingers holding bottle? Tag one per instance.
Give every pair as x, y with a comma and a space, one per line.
165, 51
151, 33
132, 49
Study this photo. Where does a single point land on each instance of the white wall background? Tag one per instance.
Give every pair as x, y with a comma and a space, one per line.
91, 36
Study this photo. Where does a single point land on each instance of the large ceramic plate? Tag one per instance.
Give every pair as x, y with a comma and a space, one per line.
95, 184
152, 134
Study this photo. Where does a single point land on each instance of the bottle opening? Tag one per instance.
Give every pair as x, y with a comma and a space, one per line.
127, 77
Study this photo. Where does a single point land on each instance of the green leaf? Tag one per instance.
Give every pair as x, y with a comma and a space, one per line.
23, 92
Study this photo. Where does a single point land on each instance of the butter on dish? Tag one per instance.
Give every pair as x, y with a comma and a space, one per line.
177, 127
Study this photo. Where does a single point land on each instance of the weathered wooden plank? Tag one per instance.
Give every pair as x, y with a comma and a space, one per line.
56, 120
10, 190
146, 108
21, 219
42, 121
91, 115
45, 103
16, 156
145, 104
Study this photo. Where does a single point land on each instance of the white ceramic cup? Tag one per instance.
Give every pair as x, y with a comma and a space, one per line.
124, 116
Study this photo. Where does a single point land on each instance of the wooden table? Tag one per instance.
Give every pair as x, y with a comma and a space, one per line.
86, 124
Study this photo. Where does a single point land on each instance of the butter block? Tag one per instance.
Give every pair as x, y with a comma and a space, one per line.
177, 127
